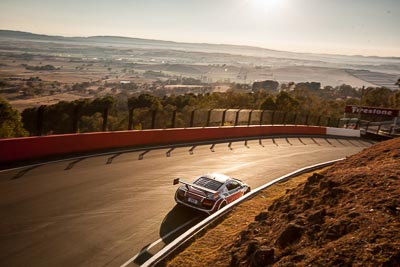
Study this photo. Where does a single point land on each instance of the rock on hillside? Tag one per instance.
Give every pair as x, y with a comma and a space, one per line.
348, 215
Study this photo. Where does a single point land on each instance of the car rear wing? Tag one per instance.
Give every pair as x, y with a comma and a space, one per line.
178, 180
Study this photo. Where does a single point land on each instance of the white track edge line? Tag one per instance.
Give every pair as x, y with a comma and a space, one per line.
158, 241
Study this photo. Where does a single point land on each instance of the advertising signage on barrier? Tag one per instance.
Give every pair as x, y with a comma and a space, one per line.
372, 111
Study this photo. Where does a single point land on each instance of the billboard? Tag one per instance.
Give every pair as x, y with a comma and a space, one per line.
371, 111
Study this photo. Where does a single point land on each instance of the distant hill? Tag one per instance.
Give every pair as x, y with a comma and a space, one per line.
118, 41
138, 42
29, 36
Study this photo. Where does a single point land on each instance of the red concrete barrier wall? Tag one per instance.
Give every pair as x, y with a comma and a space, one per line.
15, 149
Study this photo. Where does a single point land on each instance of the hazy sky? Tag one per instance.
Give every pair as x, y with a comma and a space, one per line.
368, 27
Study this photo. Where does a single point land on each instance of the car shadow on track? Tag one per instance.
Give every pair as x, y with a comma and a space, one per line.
176, 222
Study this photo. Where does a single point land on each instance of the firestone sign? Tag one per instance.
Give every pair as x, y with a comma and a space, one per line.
372, 111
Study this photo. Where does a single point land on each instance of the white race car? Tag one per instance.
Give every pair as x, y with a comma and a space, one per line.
210, 192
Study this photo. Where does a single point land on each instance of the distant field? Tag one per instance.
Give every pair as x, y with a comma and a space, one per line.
376, 78
101, 74
326, 76
101, 64
44, 100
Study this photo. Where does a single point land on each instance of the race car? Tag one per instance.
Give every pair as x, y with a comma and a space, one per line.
209, 192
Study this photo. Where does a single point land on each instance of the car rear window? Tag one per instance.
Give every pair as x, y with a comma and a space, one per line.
208, 183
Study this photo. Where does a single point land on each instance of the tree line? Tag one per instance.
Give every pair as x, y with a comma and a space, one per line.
144, 111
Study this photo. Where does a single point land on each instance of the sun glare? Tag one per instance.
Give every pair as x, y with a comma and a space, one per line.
262, 7
268, 4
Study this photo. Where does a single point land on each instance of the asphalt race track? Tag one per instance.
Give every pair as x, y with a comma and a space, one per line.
104, 210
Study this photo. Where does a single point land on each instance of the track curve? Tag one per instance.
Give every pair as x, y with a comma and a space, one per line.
101, 211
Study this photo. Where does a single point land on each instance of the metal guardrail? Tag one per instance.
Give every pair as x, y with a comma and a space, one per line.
380, 130
390, 127
192, 232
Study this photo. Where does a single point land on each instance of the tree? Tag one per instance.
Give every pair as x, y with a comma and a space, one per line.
143, 101
10, 121
285, 102
345, 90
395, 99
268, 104
377, 97
58, 118
99, 104
29, 120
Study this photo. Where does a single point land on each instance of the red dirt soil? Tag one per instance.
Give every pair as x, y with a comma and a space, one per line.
349, 215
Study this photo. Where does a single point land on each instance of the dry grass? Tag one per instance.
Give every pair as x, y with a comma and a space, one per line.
22, 104
214, 247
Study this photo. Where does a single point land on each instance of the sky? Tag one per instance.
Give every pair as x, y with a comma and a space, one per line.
349, 27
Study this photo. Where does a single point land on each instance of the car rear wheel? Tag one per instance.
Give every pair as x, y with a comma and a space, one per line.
223, 204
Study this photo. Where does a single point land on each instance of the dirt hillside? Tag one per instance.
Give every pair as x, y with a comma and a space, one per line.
346, 215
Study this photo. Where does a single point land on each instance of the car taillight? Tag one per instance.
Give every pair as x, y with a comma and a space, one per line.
181, 194
208, 203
